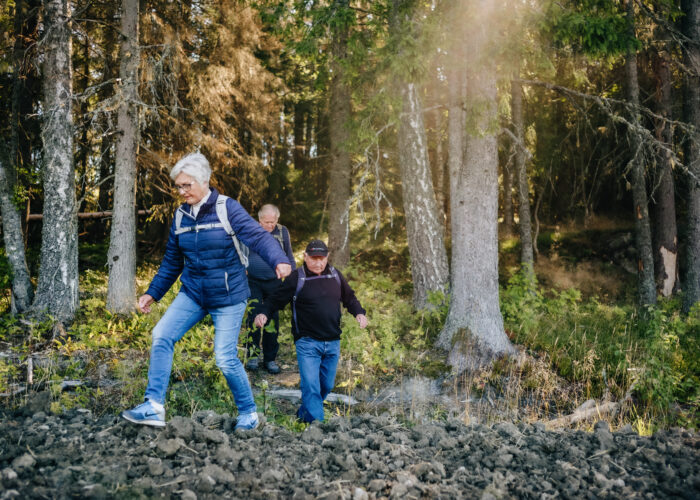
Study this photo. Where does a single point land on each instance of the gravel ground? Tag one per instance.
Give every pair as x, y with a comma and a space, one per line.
75, 455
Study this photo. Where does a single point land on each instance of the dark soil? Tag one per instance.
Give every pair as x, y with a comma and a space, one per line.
75, 455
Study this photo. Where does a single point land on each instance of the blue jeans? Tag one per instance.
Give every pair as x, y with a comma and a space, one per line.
318, 362
182, 315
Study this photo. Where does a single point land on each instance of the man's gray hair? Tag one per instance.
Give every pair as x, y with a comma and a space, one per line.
195, 165
269, 208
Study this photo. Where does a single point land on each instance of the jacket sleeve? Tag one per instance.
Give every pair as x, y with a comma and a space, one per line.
254, 236
288, 247
347, 297
280, 297
170, 268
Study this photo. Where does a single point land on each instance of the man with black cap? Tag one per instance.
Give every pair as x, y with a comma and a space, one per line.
315, 291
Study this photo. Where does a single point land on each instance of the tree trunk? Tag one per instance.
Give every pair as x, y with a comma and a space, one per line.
691, 28
473, 332
425, 233
508, 221
527, 259
108, 73
57, 289
645, 259
666, 241
121, 291
299, 155
341, 168
22, 291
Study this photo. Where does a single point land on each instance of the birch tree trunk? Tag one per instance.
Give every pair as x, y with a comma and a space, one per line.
22, 291
57, 289
691, 28
425, 233
527, 259
666, 241
341, 168
646, 287
121, 291
473, 332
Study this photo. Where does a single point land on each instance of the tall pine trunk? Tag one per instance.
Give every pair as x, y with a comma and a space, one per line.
666, 241
424, 229
473, 332
121, 291
527, 259
691, 29
57, 289
341, 167
508, 220
646, 287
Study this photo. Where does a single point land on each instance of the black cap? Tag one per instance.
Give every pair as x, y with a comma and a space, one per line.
316, 248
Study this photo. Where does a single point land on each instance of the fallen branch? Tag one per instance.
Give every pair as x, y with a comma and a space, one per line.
587, 411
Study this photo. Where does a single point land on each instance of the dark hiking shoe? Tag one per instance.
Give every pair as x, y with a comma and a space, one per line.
252, 365
272, 367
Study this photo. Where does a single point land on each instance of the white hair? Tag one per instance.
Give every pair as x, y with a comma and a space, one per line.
195, 165
269, 208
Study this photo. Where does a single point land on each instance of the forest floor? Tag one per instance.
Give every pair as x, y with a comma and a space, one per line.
404, 432
78, 455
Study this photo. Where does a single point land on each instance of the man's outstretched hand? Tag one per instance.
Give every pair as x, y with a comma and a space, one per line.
362, 320
260, 320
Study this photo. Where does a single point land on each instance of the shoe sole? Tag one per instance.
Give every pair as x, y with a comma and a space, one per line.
152, 423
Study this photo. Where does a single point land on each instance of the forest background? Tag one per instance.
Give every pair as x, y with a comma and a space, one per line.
513, 188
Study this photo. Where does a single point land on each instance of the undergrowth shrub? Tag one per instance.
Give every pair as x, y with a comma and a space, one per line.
611, 350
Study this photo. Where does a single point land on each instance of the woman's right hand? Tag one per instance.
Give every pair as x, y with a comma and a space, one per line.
145, 302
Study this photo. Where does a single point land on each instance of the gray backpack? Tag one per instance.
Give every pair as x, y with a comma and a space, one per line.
224, 223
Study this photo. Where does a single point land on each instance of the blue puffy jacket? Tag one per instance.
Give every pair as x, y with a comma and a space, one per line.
212, 273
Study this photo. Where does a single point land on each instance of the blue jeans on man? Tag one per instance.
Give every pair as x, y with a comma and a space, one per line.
318, 362
182, 315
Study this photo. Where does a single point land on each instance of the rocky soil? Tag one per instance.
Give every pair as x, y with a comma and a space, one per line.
76, 455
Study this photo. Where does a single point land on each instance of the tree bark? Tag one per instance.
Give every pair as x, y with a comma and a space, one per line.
424, 229
646, 287
57, 289
341, 167
666, 241
299, 155
527, 259
508, 221
473, 332
691, 28
22, 291
108, 73
121, 291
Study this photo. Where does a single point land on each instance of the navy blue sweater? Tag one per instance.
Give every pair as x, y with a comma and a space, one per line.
318, 304
206, 260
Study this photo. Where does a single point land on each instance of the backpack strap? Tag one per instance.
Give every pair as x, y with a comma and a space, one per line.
280, 237
222, 214
301, 274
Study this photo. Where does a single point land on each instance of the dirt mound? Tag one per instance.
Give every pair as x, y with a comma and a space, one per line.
75, 455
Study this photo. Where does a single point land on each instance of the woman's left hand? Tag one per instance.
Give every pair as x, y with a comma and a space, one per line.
283, 270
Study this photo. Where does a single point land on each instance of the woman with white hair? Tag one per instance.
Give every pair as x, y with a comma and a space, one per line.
204, 254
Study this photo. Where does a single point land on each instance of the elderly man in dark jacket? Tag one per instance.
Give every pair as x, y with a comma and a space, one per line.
316, 291
202, 251
263, 282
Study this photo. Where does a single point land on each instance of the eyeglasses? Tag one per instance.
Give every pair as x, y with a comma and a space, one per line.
185, 188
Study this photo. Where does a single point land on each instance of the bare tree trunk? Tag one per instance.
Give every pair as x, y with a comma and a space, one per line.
22, 291
691, 28
57, 289
341, 168
299, 155
121, 258
106, 142
666, 241
424, 229
508, 221
473, 332
645, 259
527, 259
